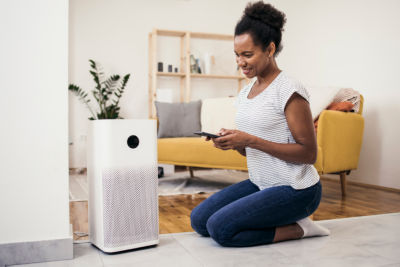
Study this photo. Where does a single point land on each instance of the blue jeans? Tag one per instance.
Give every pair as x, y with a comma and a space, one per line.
243, 215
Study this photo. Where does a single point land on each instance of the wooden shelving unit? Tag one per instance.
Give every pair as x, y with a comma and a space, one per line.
185, 76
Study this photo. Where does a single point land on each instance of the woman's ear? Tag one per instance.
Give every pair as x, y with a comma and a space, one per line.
271, 49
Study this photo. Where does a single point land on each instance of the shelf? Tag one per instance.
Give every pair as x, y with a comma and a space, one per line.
197, 75
212, 76
176, 74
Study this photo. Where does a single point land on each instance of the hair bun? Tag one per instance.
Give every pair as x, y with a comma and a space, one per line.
266, 13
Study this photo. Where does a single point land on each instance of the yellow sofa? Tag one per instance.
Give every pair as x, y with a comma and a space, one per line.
339, 140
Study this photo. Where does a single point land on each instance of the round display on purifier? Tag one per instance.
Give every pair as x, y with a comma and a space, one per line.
133, 141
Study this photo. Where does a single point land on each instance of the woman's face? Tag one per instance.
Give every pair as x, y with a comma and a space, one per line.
251, 58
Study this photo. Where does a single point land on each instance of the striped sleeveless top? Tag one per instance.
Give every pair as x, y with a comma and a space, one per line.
263, 116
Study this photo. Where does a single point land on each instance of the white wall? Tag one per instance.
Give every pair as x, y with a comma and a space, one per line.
34, 110
327, 43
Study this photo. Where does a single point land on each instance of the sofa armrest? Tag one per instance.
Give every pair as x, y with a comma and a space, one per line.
339, 139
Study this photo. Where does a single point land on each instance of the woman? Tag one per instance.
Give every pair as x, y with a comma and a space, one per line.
276, 134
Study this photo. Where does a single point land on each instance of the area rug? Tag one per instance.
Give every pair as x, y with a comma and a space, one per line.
204, 181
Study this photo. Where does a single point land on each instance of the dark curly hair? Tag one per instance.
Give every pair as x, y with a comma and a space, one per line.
264, 23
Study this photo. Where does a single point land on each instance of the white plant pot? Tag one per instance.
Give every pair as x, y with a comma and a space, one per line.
123, 184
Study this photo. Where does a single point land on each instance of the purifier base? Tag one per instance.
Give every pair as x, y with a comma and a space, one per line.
128, 247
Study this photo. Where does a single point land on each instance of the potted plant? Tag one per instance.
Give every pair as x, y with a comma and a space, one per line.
107, 93
108, 132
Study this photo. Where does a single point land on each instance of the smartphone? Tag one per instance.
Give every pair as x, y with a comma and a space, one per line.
207, 134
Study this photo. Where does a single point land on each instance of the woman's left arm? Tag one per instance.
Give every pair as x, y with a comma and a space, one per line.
299, 119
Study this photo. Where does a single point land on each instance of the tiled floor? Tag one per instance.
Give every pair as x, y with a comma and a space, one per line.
359, 241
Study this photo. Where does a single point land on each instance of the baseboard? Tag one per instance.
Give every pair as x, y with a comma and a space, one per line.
379, 187
36, 251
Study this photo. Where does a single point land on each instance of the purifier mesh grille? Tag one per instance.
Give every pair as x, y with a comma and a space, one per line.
130, 203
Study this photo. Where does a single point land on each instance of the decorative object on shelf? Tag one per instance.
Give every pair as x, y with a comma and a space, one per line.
198, 65
209, 60
193, 64
176, 69
160, 67
169, 68
107, 93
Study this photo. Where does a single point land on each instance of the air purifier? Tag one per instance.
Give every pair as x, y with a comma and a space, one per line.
123, 184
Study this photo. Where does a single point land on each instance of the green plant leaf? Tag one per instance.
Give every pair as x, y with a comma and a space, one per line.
107, 92
81, 94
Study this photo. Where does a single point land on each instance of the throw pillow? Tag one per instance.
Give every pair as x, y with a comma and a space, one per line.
178, 119
217, 113
320, 98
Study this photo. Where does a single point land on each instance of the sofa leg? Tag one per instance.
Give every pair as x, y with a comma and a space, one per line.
191, 171
343, 183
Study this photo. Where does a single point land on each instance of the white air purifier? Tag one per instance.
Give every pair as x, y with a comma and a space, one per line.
123, 184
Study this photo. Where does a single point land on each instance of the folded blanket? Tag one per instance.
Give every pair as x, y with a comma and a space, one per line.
348, 95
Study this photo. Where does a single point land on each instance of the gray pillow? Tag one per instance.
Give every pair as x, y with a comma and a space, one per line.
178, 119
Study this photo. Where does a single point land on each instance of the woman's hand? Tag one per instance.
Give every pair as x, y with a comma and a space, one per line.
231, 139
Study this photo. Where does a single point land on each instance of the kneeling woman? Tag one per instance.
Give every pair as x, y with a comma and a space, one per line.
276, 134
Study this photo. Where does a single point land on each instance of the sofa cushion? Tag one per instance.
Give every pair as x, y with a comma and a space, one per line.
217, 113
196, 152
178, 119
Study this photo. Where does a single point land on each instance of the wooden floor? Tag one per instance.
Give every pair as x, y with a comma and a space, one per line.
175, 210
